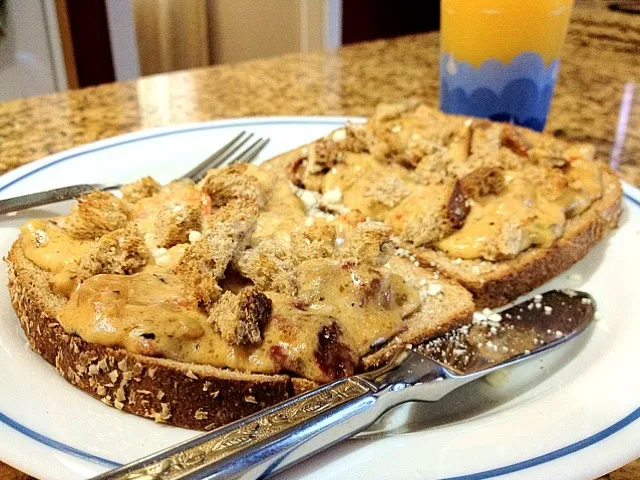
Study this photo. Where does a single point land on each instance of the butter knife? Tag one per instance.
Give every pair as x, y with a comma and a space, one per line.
287, 433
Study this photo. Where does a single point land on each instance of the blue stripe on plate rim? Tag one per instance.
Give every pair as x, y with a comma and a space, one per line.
547, 457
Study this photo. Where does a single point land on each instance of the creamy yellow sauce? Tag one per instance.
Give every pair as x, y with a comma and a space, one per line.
281, 214
150, 314
502, 226
370, 305
49, 247
359, 175
529, 213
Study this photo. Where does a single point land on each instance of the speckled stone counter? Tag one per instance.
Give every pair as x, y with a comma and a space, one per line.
601, 55
601, 61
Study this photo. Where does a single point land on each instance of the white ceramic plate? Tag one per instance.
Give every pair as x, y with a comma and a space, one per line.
572, 414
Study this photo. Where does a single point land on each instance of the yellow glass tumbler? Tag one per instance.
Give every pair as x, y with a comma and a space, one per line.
500, 58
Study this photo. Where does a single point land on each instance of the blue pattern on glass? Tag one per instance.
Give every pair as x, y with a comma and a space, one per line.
519, 92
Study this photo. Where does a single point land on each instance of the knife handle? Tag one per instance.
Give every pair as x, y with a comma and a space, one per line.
289, 432
23, 202
270, 440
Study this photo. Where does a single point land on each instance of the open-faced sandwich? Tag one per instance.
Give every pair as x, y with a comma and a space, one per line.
196, 305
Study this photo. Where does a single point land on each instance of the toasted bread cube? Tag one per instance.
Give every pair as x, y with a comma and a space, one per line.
433, 169
121, 252
239, 214
239, 318
200, 266
483, 181
314, 241
389, 191
358, 139
307, 171
205, 261
438, 216
324, 154
232, 182
143, 188
174, 222
514, 141
226, 232
96, 214
369, 243
269, 266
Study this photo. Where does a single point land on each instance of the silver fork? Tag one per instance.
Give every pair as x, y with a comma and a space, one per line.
225, 156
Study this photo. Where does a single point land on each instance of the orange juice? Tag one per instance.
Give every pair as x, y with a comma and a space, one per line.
500, 58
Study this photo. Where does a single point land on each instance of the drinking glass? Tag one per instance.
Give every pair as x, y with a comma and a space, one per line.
500, 58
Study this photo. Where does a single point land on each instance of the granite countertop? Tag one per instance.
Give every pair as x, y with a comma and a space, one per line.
601, 60
601, 55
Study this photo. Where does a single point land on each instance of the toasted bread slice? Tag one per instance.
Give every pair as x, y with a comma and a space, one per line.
396, 167
191, 395
496, 283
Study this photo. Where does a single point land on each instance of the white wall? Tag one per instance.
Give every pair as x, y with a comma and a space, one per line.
30, 55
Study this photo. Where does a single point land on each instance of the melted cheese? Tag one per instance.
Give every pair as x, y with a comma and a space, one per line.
358, 177
150, 314
531, 212
502, 226
369, 304
119, 310
585, 186
50, 247
281, 214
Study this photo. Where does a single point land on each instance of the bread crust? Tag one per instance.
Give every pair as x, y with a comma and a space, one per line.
531, 268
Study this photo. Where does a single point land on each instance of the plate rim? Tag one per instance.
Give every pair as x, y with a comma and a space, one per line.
630, 193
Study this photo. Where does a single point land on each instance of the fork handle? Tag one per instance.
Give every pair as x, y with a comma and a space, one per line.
23, 202
270, 440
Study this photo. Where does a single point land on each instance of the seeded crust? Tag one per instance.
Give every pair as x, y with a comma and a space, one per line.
496, 283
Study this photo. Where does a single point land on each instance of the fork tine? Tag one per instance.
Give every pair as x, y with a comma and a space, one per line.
212, 159
222, 160
252, 152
